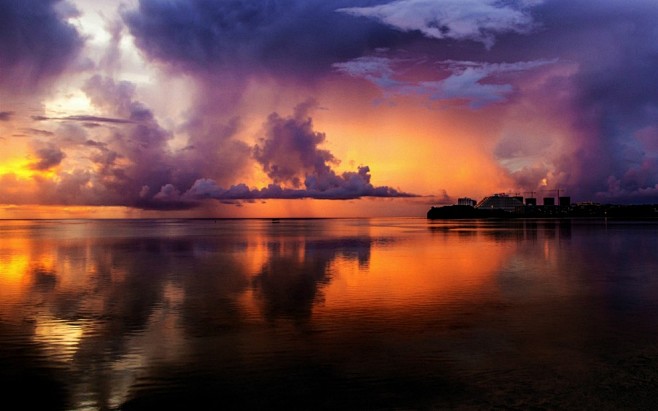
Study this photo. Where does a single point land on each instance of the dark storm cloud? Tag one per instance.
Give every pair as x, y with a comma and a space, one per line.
221, 44
288, 37
619, 95
35, 42
614, 93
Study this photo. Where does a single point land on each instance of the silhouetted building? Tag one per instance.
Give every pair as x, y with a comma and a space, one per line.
465, 201
530, 201
565, 201
549, 201
501, 202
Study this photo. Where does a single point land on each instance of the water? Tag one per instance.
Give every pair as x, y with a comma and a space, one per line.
398, 314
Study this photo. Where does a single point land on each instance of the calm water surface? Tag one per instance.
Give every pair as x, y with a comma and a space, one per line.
397, 314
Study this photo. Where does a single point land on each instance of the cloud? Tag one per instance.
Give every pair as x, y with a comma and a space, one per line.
475, 83
347, 186
39, 132
133, 164
290, 155
513, 147
85, 119
110, 166
377, 70
466, 81
292, 38
290, 149
608, 101
36, 43
476, 20
49, 156
573, 86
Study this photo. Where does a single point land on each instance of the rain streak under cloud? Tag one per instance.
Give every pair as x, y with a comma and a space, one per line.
163, 105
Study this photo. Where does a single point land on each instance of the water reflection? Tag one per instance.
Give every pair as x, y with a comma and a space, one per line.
323, 313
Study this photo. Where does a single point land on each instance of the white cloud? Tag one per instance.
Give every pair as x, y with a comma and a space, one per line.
465, 82
477, 20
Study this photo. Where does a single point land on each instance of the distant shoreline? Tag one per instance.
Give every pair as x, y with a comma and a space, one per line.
626, 212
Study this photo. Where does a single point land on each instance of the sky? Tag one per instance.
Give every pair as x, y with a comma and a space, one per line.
316, 108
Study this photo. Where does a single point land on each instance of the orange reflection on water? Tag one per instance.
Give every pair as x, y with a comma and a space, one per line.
414, 272
15, 278
127, 303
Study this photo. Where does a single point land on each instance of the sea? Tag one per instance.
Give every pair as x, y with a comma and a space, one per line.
329, 314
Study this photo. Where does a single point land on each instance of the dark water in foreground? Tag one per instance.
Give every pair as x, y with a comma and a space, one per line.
329, 314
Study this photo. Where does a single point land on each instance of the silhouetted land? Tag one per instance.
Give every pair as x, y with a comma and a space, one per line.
626, 212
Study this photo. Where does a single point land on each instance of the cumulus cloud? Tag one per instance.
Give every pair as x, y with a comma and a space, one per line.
475, 83
36, 42
291, 150
290, 155
477, 20
349, 185
110, 166
128, 159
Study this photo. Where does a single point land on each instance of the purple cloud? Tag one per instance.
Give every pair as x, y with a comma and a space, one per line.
290, 155
292, 38
132, 164
349, 185
85, 119
586, 75
36, 43
289, 152
49, 156
610, 100
467, 81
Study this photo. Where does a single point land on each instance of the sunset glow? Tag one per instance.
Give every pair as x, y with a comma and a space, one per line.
158, 108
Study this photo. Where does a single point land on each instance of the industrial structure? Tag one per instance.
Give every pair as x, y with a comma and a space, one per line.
466, 201
503, 205
515, 202
501, 201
